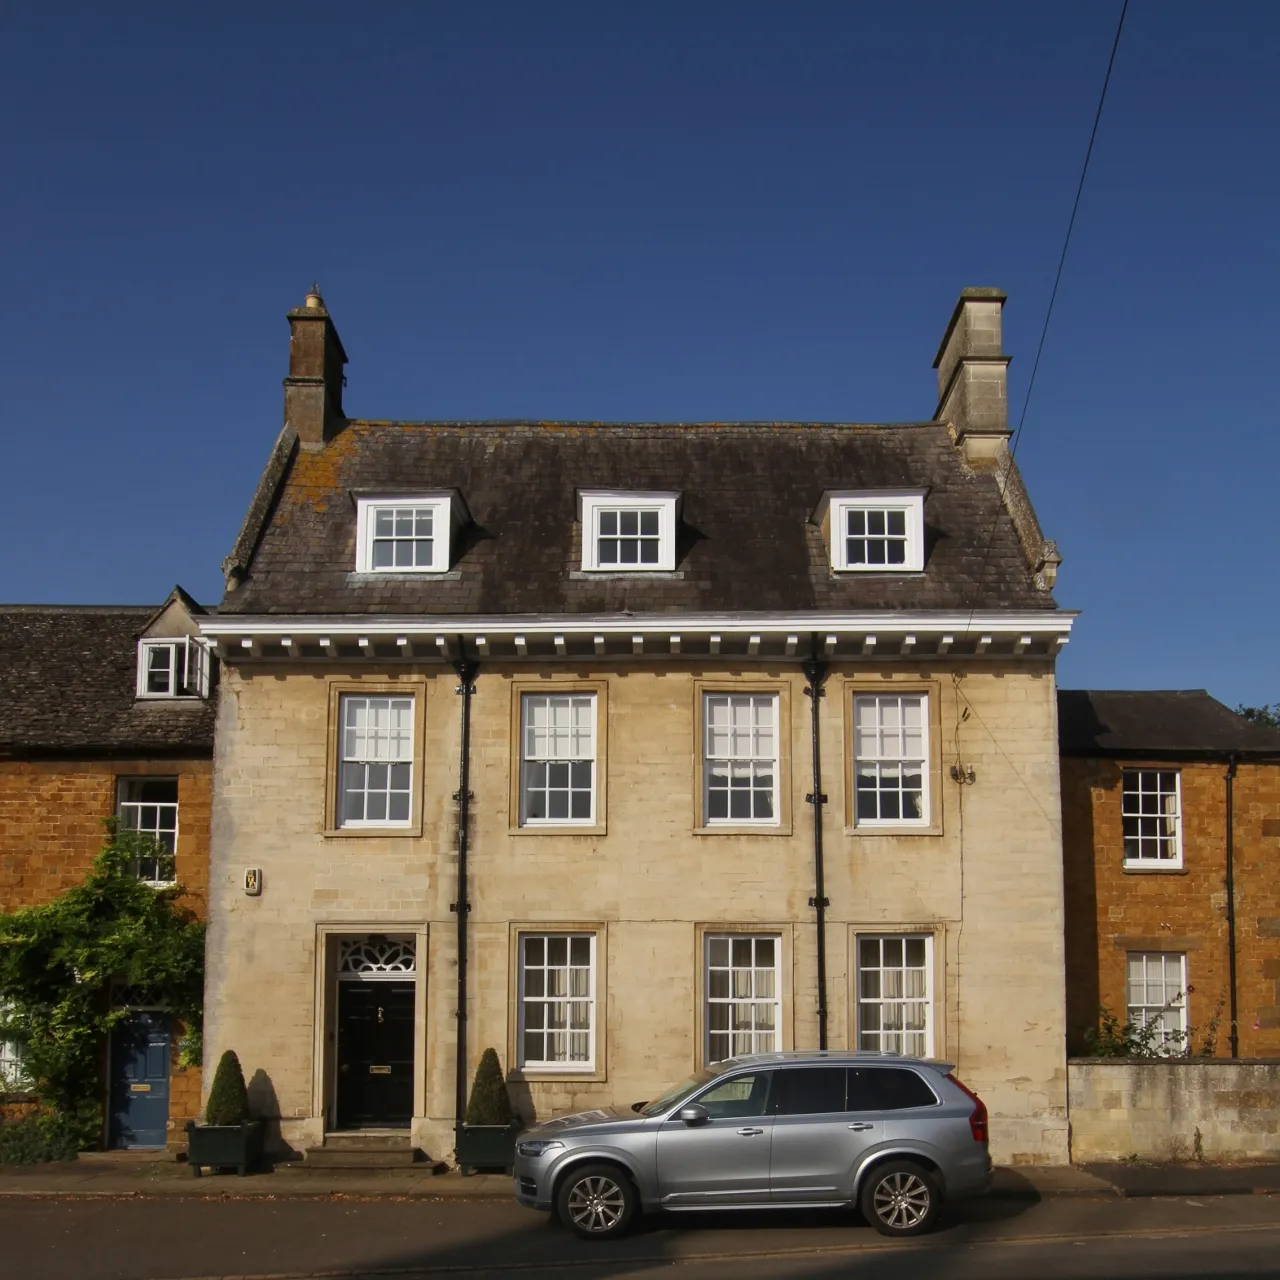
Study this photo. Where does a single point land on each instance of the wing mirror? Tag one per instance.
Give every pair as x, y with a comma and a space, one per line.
693, 1114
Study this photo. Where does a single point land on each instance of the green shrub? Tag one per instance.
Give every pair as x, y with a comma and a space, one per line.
61, 962
228, 1099
37, 1138
489, 1102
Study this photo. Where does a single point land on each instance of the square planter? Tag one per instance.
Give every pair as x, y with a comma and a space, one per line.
224, 1146
486, 1146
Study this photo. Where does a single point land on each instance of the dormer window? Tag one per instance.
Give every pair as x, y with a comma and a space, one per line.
875, 532
628, 532
406, 535
173, 668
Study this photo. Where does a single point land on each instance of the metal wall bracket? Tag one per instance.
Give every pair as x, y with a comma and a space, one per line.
812, 799
453, 906
813, 902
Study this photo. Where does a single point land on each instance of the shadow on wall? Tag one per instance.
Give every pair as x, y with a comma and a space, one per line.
1080, 891
264, 1105
522, 1102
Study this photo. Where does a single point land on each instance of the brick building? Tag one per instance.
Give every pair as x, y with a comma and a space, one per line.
105, 711
561, 676
1168, 798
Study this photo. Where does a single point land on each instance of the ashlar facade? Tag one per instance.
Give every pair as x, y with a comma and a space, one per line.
624, 749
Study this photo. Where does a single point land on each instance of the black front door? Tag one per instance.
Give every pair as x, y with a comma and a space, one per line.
375, 1054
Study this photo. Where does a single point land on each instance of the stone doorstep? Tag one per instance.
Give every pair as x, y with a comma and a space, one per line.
367, 1149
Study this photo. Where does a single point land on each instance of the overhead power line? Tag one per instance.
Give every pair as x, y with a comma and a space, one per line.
1053, 296
1066, 243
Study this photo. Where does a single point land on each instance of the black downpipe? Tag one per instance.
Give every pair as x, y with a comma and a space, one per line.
466, 688
816, 673
1231, 906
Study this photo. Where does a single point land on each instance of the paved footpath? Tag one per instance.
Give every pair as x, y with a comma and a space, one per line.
155, 1174
340, 1237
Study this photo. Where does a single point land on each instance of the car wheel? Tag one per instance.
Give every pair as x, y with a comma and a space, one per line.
900, 1198
596, 1201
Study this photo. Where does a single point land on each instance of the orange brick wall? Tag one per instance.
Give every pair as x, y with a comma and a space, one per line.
51, 815
1110, 911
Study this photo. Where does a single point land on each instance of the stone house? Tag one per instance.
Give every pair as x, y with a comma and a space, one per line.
622, 748
1171, 846
106, 712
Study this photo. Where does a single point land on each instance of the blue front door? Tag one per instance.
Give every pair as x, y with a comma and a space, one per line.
140, 1081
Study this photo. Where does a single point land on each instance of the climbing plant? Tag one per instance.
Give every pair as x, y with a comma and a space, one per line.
60, 964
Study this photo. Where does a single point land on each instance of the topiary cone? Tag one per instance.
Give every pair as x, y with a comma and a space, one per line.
228, 1099
489, 1102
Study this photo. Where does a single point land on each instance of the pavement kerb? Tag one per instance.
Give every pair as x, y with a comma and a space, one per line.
163, 1180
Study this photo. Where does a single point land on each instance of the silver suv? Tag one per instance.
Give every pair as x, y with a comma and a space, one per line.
892, 1135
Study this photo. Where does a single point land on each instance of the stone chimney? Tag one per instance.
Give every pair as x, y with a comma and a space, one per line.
313, 389
973, 377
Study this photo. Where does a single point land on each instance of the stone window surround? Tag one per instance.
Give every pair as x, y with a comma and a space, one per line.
598, 1071
545, 686
784, 931
781, 689
414, 686
937, 930
324, 1009
865, 685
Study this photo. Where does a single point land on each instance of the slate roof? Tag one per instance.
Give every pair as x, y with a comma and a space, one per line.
747, 543
1172, 723
69, 675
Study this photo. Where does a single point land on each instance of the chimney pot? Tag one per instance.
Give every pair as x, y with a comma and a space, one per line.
313, 300
973, 376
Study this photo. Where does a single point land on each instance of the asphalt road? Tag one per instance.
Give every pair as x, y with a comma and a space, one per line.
170, 1239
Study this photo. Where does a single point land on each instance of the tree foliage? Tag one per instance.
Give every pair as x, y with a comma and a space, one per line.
489, 1102
228, 1098
1266, 715
60, 963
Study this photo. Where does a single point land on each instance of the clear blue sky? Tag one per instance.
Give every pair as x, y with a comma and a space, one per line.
651, 211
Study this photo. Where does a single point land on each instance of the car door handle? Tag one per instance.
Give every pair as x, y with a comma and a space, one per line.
861, 1127
750, 1133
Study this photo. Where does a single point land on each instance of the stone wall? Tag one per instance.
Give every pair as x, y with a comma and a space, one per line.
51, 816
1112, 910
984, 879
1180, 1109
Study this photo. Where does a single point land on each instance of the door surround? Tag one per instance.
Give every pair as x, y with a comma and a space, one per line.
373, 951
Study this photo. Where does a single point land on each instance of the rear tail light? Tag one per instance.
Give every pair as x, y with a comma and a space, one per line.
978, 1117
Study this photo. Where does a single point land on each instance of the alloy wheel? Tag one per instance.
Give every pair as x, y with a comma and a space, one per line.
902, 1200
596, 1204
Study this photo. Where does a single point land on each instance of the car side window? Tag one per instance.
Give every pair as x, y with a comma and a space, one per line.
887, 1089
746, 1095
807, 1091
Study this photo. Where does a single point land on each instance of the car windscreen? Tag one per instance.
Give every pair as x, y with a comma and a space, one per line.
682, 1090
